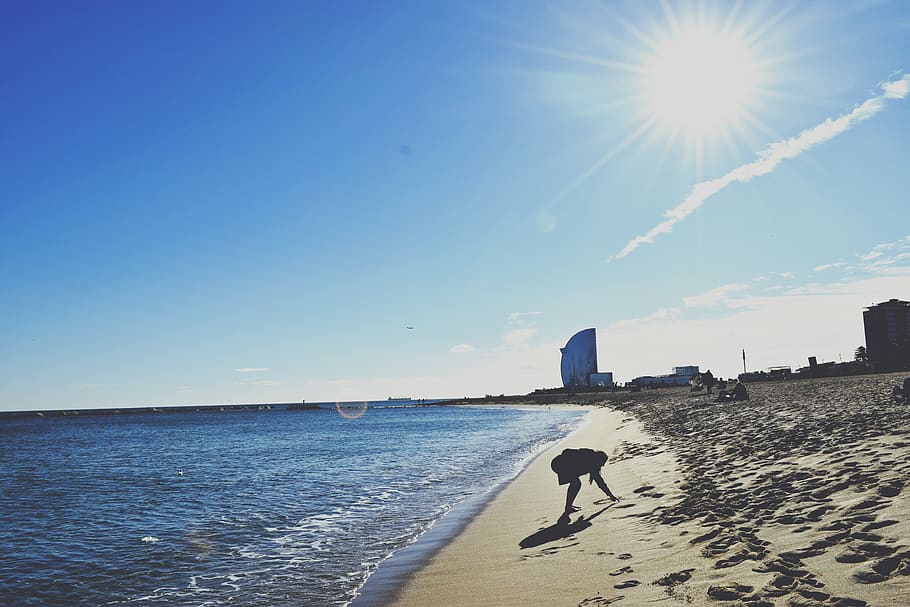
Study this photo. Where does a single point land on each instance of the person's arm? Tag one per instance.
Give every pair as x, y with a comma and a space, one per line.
597, 478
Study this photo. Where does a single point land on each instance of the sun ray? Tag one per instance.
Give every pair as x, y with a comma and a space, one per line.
770, 93
603, 160
754, 121
669, 143
726, 136
727, 27
647, 41
699, 158
670, 16
751, 37
572, 56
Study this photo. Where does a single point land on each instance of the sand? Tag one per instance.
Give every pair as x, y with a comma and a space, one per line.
794, 498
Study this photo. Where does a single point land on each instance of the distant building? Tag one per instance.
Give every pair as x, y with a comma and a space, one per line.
887, 327
690, 370
601, 379
579, 362
680, 377
579, 359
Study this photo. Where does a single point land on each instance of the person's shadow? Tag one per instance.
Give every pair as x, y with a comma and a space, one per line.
562, 529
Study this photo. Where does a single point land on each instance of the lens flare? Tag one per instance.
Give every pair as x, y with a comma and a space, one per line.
351, 410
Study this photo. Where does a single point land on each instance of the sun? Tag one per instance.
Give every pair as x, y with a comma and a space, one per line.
699, 81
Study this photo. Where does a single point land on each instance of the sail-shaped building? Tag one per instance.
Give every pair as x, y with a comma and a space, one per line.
579, 359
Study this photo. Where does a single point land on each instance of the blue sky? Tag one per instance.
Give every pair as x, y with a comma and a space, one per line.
222, 202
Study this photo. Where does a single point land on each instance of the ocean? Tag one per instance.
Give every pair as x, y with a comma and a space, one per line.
254, 508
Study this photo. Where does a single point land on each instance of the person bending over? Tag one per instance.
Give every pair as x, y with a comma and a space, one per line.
571, 464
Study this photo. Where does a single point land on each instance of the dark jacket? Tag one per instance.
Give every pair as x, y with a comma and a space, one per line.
572, 463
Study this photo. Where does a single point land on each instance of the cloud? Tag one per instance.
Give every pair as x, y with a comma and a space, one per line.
517, 339
660, 315
897, 89
251, 369
713, 297
830, 266
517, 318
770, 157
779, 328
886, 253
462, 348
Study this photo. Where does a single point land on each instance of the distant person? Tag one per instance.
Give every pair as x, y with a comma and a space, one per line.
738, 392
571, 464
707, 379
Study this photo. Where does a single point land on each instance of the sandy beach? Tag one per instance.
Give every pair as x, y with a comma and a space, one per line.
794, 498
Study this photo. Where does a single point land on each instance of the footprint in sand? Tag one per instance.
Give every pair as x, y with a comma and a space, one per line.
599, 600
672, 579
625, 569
891, 489
864, 552
879, 524
884, 569
626, 584
729, 592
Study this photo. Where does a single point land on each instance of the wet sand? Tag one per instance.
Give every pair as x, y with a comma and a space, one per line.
794, 498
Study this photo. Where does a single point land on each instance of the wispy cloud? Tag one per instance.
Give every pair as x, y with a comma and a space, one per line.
770, 157
462, 348
713, 297
663, 314
830, 266
886, 254
521, 318
251, 369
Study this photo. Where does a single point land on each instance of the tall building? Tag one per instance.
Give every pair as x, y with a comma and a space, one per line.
887, 327
579, 359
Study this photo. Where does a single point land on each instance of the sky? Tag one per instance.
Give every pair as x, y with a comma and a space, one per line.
242, 202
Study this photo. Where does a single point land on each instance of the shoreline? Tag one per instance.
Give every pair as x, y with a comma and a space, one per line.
385, 583
508, 548
794, 498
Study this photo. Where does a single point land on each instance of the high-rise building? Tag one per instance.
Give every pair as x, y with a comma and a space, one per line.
887, 327
579, 359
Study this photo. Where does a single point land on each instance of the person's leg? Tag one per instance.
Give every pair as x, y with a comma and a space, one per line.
571, 493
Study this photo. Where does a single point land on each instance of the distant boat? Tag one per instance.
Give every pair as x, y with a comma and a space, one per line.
399, 398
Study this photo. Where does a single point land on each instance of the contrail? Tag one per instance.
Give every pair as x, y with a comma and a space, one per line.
772, 156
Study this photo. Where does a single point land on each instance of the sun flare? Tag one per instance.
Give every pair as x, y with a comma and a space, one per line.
699, 81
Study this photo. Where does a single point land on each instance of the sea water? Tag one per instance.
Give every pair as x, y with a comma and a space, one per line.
248, 508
